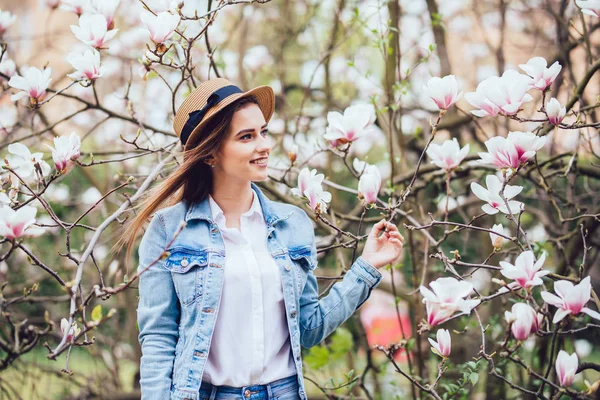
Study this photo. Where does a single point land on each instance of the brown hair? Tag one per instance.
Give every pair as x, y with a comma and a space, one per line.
192, 181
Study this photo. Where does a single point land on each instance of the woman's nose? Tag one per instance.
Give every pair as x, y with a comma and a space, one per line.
265, 144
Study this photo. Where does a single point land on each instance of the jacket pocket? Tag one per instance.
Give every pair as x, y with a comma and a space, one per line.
301, 256
187, 268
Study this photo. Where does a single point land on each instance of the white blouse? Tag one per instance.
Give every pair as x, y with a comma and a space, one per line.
251, 340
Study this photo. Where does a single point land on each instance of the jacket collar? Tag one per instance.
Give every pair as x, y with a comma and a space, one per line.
272, 213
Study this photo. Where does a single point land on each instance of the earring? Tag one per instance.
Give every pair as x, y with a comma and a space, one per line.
212, 165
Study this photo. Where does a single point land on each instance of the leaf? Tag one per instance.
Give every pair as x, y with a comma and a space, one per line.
97, 313
317, 357
474, 378
341, 343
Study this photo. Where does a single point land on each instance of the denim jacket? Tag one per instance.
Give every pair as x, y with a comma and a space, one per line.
180, 294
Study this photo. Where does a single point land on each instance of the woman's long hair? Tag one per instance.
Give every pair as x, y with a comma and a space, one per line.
192, 181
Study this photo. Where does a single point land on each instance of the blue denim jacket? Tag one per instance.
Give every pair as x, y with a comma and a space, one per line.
180, 294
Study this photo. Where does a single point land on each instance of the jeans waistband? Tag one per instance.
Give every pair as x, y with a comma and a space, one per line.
266, 390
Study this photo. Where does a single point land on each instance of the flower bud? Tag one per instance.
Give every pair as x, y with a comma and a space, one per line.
555, 112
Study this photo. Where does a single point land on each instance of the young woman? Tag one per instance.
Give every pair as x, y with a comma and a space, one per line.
227, 291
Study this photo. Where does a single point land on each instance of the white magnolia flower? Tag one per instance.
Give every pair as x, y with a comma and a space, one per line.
23, 162
352, 125
542, 76
491, 196
497, 240
443, 91
160, 26
69, 332
8, 67
15, 223
448, 155
33, 83
443, 346
309, 185
76, 6
87, 65
527, 272
6, 20
570, 299
505, 94
4, 199
369, 184
446, 297
589, 7
526, 143
555, 111
66, 148
566, 367
106, 8
92, 30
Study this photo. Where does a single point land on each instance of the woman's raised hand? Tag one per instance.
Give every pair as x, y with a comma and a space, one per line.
384, 244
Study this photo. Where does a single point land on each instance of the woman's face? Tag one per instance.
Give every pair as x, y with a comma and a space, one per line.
244, 154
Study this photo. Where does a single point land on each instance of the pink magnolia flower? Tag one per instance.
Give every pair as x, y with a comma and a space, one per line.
14, 223
555, 111
542, 76
447, 297
526, 272
70, 332
66, 149
369, 184
354, 124
6, 20
160, 26
443, 346
524, 320
23, 162
309, 185
92, 30
589, 7
571, 299
502, 153
443, 91
33, 83
505, 94
87, 65
492, 196
306, 179
8, 67
526, 143
106, 8
497, 240
566, 367
76, 6
448, 155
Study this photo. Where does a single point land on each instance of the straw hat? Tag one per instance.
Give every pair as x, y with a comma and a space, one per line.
208, 99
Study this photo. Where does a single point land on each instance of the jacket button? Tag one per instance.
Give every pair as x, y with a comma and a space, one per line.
293, 314
247, 393
208, 310
288, 267
185, 262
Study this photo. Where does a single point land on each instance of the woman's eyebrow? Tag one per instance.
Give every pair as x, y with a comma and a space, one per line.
250, 130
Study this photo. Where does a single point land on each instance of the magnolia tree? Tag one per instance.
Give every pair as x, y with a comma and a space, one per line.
495, 189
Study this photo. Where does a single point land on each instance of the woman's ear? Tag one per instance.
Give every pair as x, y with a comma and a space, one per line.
211, 160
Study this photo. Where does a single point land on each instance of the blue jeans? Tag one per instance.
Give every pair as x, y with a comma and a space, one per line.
282, 389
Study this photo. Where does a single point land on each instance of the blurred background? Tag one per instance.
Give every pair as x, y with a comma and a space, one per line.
319, 56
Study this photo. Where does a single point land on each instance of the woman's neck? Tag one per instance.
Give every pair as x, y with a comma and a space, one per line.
233, 199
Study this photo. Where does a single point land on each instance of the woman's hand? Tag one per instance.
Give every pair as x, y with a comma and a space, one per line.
384, 249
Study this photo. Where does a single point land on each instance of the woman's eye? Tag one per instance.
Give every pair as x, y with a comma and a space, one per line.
246, 136
264, 133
